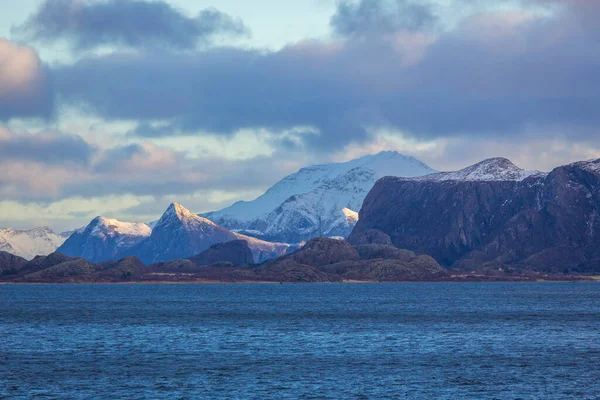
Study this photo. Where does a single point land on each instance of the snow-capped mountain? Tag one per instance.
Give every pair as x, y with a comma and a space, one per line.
180, 234
28, 244
311, 202
103, 239
492, 169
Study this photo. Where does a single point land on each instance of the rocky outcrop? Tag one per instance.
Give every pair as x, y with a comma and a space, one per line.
289, 271
235, 252
126, 269
370, 236
323, 251
385, 252
419, 268
339, 260
544, 222
10, 264
41, 263
77, 270
181, 266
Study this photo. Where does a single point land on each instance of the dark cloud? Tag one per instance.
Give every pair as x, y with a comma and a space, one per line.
496, 74
131, 23
46, 148
221, 91
181, 176
112, 160
25, 84
381, 16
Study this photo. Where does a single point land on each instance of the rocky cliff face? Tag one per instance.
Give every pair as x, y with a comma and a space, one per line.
508, 217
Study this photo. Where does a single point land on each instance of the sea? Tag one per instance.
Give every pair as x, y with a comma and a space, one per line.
321, 341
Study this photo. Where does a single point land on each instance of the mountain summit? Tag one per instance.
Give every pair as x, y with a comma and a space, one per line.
492, 169
180, 234
316, 201
104, 238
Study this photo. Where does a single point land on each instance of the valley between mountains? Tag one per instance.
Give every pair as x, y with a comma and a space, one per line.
385, 217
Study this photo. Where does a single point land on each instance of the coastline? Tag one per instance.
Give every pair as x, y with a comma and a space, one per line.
345, 282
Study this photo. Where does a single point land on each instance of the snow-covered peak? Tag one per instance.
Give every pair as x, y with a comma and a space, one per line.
176, 213
492, 169
103, 238
310, 178
102, 226
590, 165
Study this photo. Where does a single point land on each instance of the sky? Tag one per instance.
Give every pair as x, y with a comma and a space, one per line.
119, 107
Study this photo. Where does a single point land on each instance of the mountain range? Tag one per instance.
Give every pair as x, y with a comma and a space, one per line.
321, 200
178, 234
491, 215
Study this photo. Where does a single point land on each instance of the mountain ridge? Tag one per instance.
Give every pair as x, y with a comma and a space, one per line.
491, 169
543, 221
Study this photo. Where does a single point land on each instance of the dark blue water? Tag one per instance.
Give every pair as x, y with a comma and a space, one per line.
418, 341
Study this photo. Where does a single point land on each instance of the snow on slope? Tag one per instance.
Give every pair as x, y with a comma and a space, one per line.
263, 250
590, 165
103, 238
113, 227
492, 169
310, 202
28, 244
310, 178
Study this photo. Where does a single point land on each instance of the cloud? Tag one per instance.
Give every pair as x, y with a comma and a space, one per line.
25, 86
496, 74
143, 157
517, 83
51, 166
45, 148
381, 16
155, 171
130, 23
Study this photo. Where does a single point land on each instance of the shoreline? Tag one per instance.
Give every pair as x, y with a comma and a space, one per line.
348, 282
